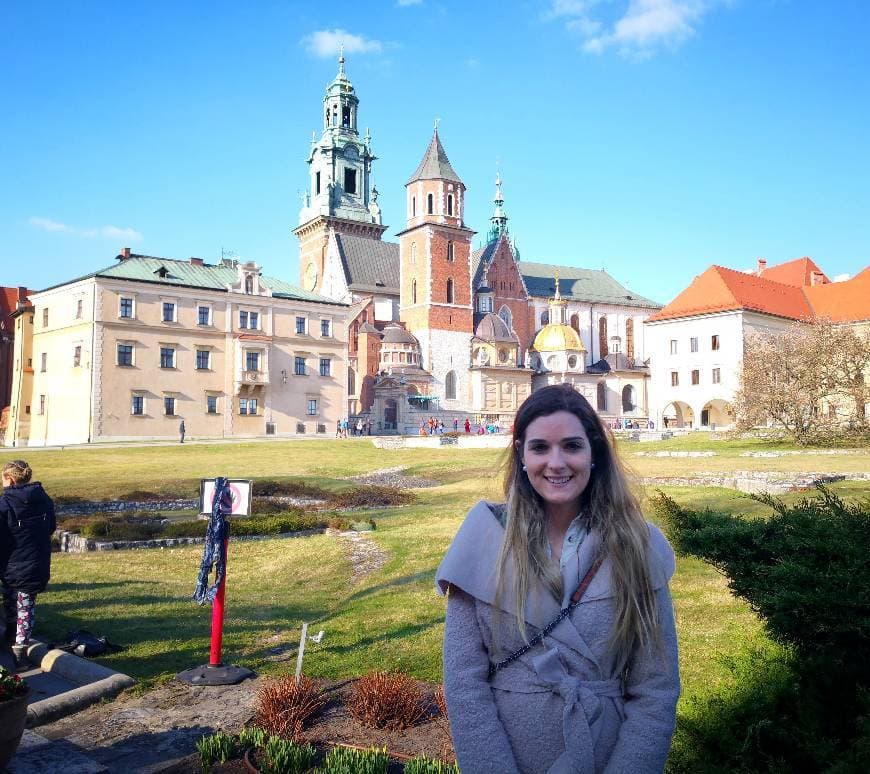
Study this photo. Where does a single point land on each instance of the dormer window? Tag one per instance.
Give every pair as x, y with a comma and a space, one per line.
249, 284
162, 272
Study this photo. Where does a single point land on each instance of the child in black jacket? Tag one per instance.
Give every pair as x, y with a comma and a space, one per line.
26, 526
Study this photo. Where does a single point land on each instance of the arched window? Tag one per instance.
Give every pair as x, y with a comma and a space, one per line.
628, 403
545, 318
450, 252
575, 322
249, 284
450, 204
629, 339
602, 336
413, 206
413, 291
430, 204
507, 317
351, 381
601, 397
449, 291
450, 385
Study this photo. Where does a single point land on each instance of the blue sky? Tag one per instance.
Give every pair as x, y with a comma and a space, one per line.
647, 137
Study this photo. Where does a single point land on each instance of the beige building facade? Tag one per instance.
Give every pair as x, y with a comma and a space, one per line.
135, 349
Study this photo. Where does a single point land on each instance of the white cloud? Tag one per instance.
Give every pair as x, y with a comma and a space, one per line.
327, 43
639, 28
46, 224
105, 232
841, 277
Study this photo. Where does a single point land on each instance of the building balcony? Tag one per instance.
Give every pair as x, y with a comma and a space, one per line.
251, 379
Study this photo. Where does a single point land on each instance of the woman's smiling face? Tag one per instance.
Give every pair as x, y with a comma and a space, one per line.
558, 460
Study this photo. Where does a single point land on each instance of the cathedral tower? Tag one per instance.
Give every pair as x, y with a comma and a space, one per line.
435, 273
340, 195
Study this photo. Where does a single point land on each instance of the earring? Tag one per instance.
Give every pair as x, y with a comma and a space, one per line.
591, 465
525, 467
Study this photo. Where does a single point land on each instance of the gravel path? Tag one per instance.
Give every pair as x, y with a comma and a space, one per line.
393, 477
365, 556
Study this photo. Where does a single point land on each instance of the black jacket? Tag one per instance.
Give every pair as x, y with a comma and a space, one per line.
26, 525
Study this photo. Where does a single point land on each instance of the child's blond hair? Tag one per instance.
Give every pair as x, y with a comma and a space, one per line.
17, 470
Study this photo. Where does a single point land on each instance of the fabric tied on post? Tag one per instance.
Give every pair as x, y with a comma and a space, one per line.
214, 554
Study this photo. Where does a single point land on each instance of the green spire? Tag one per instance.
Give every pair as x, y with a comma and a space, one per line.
499, 219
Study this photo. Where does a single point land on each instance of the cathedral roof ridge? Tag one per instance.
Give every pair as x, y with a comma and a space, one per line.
435, 164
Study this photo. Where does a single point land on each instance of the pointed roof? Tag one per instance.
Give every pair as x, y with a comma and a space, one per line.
719, 290
798, 272
435, 164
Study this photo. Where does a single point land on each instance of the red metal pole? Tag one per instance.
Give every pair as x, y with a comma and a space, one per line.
217, 618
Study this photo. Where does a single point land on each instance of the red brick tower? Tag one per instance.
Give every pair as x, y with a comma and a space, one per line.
435, 300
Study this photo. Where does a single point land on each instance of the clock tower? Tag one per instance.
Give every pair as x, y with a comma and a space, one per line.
340, 195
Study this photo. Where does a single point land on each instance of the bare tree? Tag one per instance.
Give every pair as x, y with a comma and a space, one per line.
809, 379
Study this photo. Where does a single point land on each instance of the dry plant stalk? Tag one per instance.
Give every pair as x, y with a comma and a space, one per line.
284, 706
441, 701
387, 700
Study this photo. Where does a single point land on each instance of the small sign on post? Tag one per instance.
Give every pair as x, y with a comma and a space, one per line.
224, 497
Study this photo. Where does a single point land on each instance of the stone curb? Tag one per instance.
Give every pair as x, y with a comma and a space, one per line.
95, 682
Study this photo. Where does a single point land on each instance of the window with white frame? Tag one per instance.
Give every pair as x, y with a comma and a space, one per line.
77, 356
137, 404
696, 376
325, 327
675, 378
299, 365
717, 376
170, 311
167, 356
243, 318
203, 359
45, 317
43, 362
203, 314
211, 404
126, 307
714, 341
42, 404
79, 308
248, 406
169, 405
125, 353
300, 325
673, 346
312, 407
325, 366
693, 344
252, 361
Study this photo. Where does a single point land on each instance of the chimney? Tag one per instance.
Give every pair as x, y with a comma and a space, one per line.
762, 265
817, 278
22, 297
196, 261
124, 254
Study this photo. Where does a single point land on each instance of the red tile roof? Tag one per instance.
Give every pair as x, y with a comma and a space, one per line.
719, 290
798, 272
9, 300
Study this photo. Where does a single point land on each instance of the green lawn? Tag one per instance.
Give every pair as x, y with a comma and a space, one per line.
393, 619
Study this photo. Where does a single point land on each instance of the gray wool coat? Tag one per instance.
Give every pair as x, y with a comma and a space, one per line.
561, 707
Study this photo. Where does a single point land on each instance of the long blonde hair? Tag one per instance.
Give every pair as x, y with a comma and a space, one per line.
611, 511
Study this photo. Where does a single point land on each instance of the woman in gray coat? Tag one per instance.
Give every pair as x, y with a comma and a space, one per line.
560, 652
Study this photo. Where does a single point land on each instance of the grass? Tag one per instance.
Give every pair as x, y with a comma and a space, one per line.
393, 619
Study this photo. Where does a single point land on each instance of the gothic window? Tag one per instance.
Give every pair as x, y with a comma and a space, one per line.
506, 316
413, 291
350, 181
575, 322
602, 336
450, 204
430, 204
601, 396
449, 291
413, 206
450, 251
545, 318
629, 339
628, 401
316, 183
450, 386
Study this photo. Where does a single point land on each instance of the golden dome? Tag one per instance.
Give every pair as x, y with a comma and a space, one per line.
558, 338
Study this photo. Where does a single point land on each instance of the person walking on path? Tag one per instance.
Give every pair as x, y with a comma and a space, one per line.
26, 526
181, 431
467, 426
560, 651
